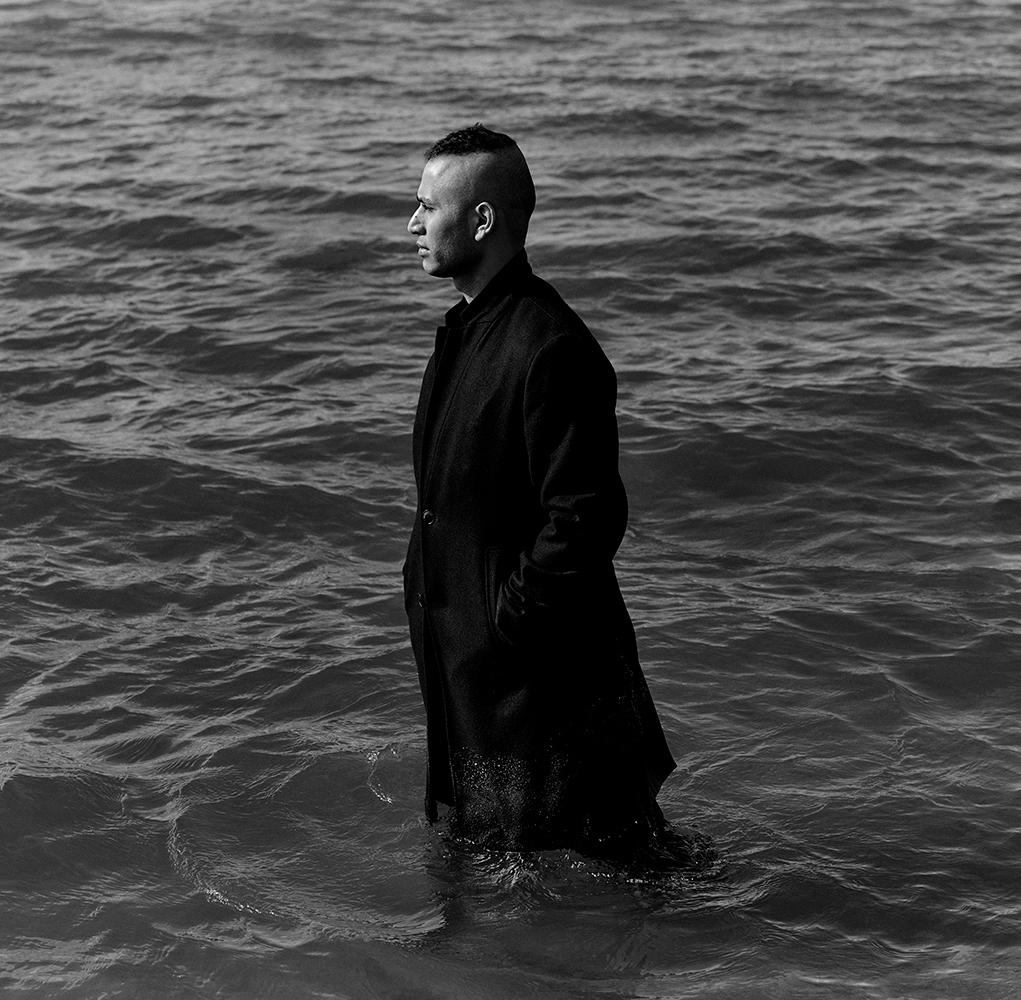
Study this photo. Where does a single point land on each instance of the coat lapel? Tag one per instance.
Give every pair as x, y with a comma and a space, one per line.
442, 390
418, 431
440, 382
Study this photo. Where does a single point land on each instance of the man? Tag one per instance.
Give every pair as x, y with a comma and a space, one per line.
540, 727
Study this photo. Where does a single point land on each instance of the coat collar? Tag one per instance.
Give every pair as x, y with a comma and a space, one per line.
516, 270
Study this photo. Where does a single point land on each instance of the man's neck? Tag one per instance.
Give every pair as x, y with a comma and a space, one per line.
471, 285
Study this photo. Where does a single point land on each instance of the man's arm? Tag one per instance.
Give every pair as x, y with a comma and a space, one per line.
571, 437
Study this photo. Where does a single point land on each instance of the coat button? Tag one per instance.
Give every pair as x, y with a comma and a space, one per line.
428, 517
421, 600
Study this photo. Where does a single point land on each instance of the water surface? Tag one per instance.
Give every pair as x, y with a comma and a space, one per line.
793, 227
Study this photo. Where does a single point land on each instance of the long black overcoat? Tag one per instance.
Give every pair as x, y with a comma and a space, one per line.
541, 730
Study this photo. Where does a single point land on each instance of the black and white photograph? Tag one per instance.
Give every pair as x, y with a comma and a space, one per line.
510, 500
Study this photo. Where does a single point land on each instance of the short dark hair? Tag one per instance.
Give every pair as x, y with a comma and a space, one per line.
471, 139
505, 175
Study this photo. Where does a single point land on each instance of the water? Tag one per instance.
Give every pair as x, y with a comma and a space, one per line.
793, 226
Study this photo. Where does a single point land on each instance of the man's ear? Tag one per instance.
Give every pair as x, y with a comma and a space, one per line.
487, 219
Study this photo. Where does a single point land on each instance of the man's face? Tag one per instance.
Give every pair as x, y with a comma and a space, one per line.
445, 220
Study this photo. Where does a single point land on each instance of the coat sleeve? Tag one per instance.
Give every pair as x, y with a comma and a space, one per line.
570, 430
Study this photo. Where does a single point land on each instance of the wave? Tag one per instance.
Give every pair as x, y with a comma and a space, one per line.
166, 232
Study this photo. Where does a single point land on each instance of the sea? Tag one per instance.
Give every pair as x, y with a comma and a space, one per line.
795, 228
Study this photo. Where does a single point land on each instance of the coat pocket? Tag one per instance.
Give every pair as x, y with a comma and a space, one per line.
493, 578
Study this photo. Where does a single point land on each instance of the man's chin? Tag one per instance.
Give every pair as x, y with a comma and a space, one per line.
434, 269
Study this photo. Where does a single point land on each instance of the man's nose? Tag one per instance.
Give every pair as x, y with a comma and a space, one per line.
415, 224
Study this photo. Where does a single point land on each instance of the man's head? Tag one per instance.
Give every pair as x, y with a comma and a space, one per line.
474, 203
